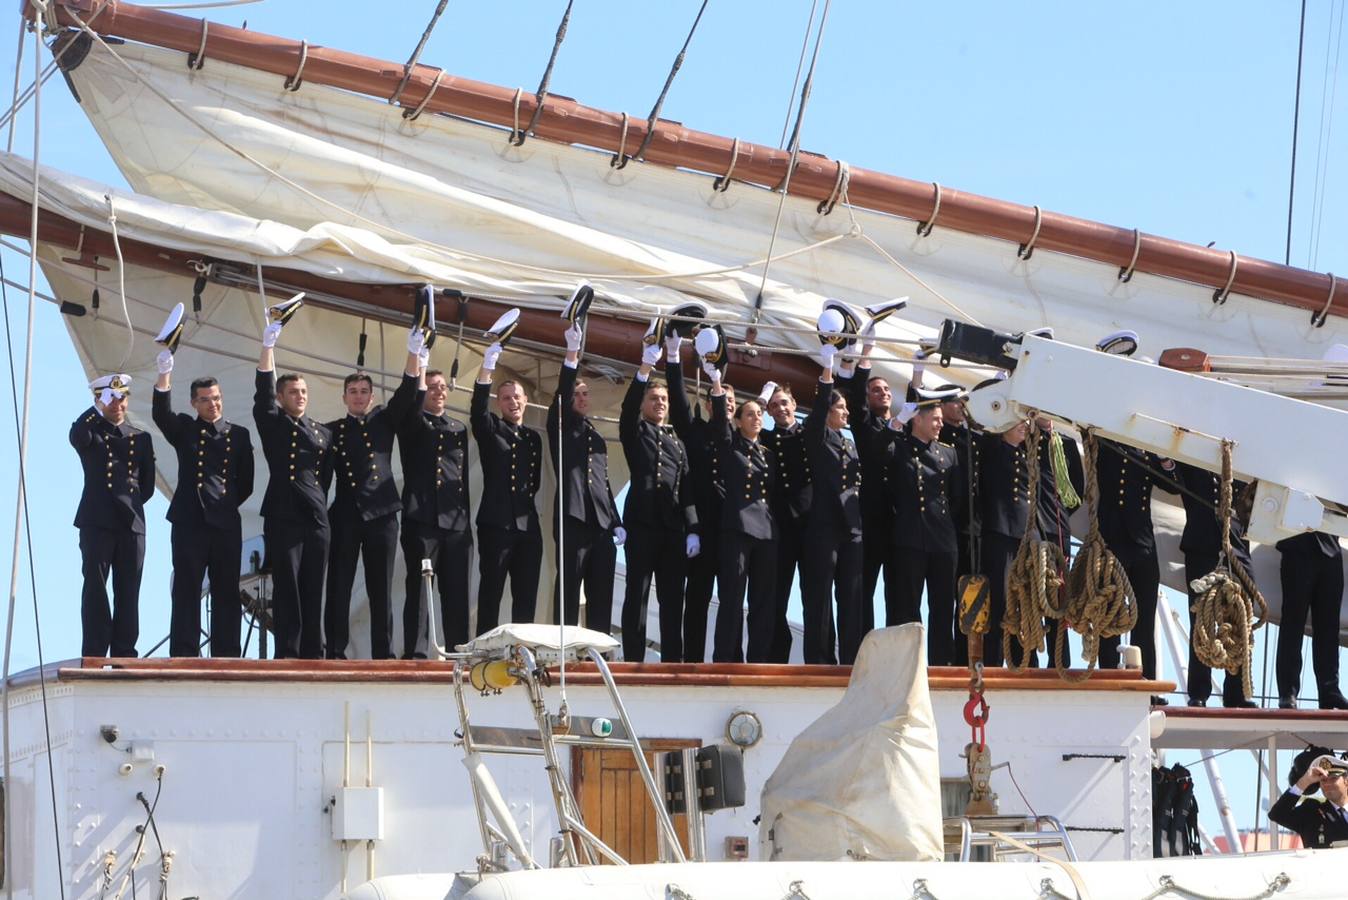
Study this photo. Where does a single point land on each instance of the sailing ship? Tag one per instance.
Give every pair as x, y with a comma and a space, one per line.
262, 166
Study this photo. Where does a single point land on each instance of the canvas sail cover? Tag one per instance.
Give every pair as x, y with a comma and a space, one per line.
863, 781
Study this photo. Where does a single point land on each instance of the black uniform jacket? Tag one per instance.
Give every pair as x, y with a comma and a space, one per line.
660, 493
363, 465
434, 451
512, 466
118, 462
749, 473
874, 438
704, 446
585, 484
835, 470
215, 466
969, 450
1003, 486
923, 487
792, 487
1126, 477
1312, 543
1202, 528
1319, 822
1054, 515
299, 458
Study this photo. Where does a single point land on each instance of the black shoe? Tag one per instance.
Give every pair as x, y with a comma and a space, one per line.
1287, 703
1240, 704
1333, 700
1198, 701
1159, 701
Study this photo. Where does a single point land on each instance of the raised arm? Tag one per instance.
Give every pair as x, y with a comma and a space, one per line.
680, 415
630, 414
161, 411
264, 395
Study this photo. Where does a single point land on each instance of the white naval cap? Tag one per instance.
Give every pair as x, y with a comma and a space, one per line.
1119, 343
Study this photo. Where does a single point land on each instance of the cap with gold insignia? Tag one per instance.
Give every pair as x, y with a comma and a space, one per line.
678, 321
172, 332
851, 322
285, 311
423, 312
578, 306
111, 387
833, 330
655, 332
710, 346
883, 310
502, 329
1120, 343
1333, 765
936, 396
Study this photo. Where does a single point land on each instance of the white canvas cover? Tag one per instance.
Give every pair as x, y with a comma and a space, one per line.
863, 781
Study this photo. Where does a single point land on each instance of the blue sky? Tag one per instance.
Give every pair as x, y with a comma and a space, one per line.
1173, 118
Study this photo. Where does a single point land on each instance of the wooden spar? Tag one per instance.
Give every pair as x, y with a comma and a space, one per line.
565, 121
606, 336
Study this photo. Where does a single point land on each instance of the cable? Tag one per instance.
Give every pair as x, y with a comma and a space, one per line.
1296, 119
654, 117
416, 53
541, 95
795, 82
1333, 38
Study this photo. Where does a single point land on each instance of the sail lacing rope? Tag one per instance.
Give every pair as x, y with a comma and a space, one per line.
517, 136
1034, 579
1229, 608
1100, 599
411, 63
653, 119
1167, 885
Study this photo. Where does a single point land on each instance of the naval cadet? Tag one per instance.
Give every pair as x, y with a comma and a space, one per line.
832, 564
1004, 506
586, 525
705, 450
294, 508
1061, 483
1320, 823
748, 529
364, 513
870, 402
961, 432
923, 485
510, 542
215, 477
790, 506
434, 451
118, 463
660, 515
1312, 581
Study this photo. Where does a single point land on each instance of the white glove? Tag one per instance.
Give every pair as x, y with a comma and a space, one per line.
693, 545
903, 416
619, 535
270, 334
424, 358
416, 341
107, 396
573, 336
827, 353
673, 344
490, 357
713, 373
765, 395
925, 347
650, 354
164, 362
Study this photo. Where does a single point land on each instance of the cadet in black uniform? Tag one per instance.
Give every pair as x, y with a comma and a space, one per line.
960, 432
1320, 824
118, 463
833, 551
586, 525
790, 507
1055, 511
869, 402
748, 530
215, 477
922, 483
1004, 504
434, 451
510, 542
1201, 544
661, 520
1312, 581
704, 447
294, 507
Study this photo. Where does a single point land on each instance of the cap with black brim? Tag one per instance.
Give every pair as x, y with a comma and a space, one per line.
172, 332
678, 319
883, 310
578, 306
710, 346
283, 312
504, 327
1119, 343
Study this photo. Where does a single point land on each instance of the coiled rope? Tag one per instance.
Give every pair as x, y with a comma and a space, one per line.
1100, 599
1229, 608
1035, 577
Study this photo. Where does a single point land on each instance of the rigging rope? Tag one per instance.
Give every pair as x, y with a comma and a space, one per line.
1229, 608
416, 53
1100, 599
541, 95
654, 117
1034, 579
1296, 122
121, 280
800, 64
1334, 38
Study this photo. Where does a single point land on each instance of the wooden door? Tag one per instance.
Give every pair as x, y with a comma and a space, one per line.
614, 802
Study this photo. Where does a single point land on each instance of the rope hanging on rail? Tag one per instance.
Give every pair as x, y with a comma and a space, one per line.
413, 114
517, 137
1219, 296
410, 66
840, 183
1026, 250
722, 184
196, 60
1318, 319
293, 82
654, 117
1229, 608
1126, 273
924, 228
1034, 580
1100, 600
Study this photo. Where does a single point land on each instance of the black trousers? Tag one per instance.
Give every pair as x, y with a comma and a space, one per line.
998, 550
298, 554
659, 552
375, 541
1311, 582
1196, 565
964, 565
121, 552
876, 531
832, 564
449, 553
911, 570
200, 550
589, 558
703, 571
1144, 574
501, 554
789, 561
746, 564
